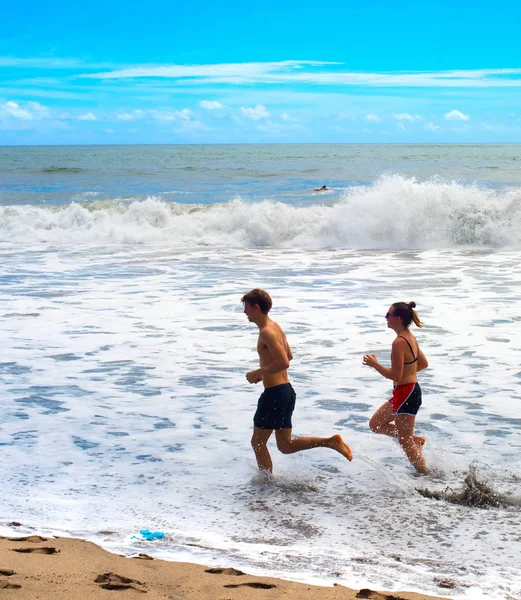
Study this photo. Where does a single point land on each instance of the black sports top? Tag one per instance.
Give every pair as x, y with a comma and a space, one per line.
412, 351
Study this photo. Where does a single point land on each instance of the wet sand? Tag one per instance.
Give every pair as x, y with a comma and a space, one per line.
41, 568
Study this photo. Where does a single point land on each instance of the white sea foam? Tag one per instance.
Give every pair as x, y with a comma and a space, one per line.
126, 406
393, 213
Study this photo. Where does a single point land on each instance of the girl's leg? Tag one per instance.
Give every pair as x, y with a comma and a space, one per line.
412, 444
383, 421
386, 422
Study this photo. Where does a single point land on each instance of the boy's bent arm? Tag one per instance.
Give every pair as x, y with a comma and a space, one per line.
279, 362
280, 359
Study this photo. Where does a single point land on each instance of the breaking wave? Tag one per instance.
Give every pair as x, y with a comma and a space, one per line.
392, 213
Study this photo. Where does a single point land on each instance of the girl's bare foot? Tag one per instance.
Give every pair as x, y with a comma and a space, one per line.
419, 440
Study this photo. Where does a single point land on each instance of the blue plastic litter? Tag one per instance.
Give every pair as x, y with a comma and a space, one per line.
151, 535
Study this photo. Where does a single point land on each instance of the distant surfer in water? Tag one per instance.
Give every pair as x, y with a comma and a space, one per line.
276, 403
397, 416
322, 189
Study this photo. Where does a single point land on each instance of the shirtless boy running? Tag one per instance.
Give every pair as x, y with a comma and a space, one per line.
277, 402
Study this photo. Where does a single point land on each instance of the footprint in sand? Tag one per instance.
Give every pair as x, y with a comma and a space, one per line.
35, 539
44, 550
113, 581
6, 585
365, 593
230, 571
252, 584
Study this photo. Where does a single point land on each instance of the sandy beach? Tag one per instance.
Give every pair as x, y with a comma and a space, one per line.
37, 567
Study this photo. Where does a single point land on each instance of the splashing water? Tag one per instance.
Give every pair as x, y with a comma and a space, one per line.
474, 493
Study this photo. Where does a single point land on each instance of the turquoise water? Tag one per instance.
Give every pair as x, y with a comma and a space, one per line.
124, 352
207, 174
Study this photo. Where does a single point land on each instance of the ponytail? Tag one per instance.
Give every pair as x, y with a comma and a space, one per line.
407, 313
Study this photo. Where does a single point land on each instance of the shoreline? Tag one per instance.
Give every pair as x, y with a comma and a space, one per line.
35, 567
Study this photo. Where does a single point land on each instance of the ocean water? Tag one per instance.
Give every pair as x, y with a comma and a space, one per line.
124, 351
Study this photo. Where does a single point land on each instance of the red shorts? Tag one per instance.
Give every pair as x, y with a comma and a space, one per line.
407, 399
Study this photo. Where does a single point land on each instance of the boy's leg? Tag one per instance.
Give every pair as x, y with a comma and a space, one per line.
288, 445
259, 442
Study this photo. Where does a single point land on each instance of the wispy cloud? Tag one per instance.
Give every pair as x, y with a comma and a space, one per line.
192, 125
316, 72
41, 93
430, 126
87, 117
185, 114
152, 115
257, 113
50, 62
456, 115
39, 63
373, 118
407, 117
210, 104
269, 127
215, 71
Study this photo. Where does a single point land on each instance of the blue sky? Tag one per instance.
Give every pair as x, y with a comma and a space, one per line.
163, 72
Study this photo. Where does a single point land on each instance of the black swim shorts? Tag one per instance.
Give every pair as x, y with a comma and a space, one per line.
275, 407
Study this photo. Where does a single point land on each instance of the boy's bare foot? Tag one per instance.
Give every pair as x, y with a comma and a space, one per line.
338, 444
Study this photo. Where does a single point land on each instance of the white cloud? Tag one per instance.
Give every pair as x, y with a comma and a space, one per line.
460, 128
152, 115
185, 114
400, 125
343, 116
268, 127
161, 115
257, 113
32, 111
430, 126
456, 115
192, 125
38, 110
13, 109
108, 130
407, 117
132, 116
87, 117
373, 118
210, 104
